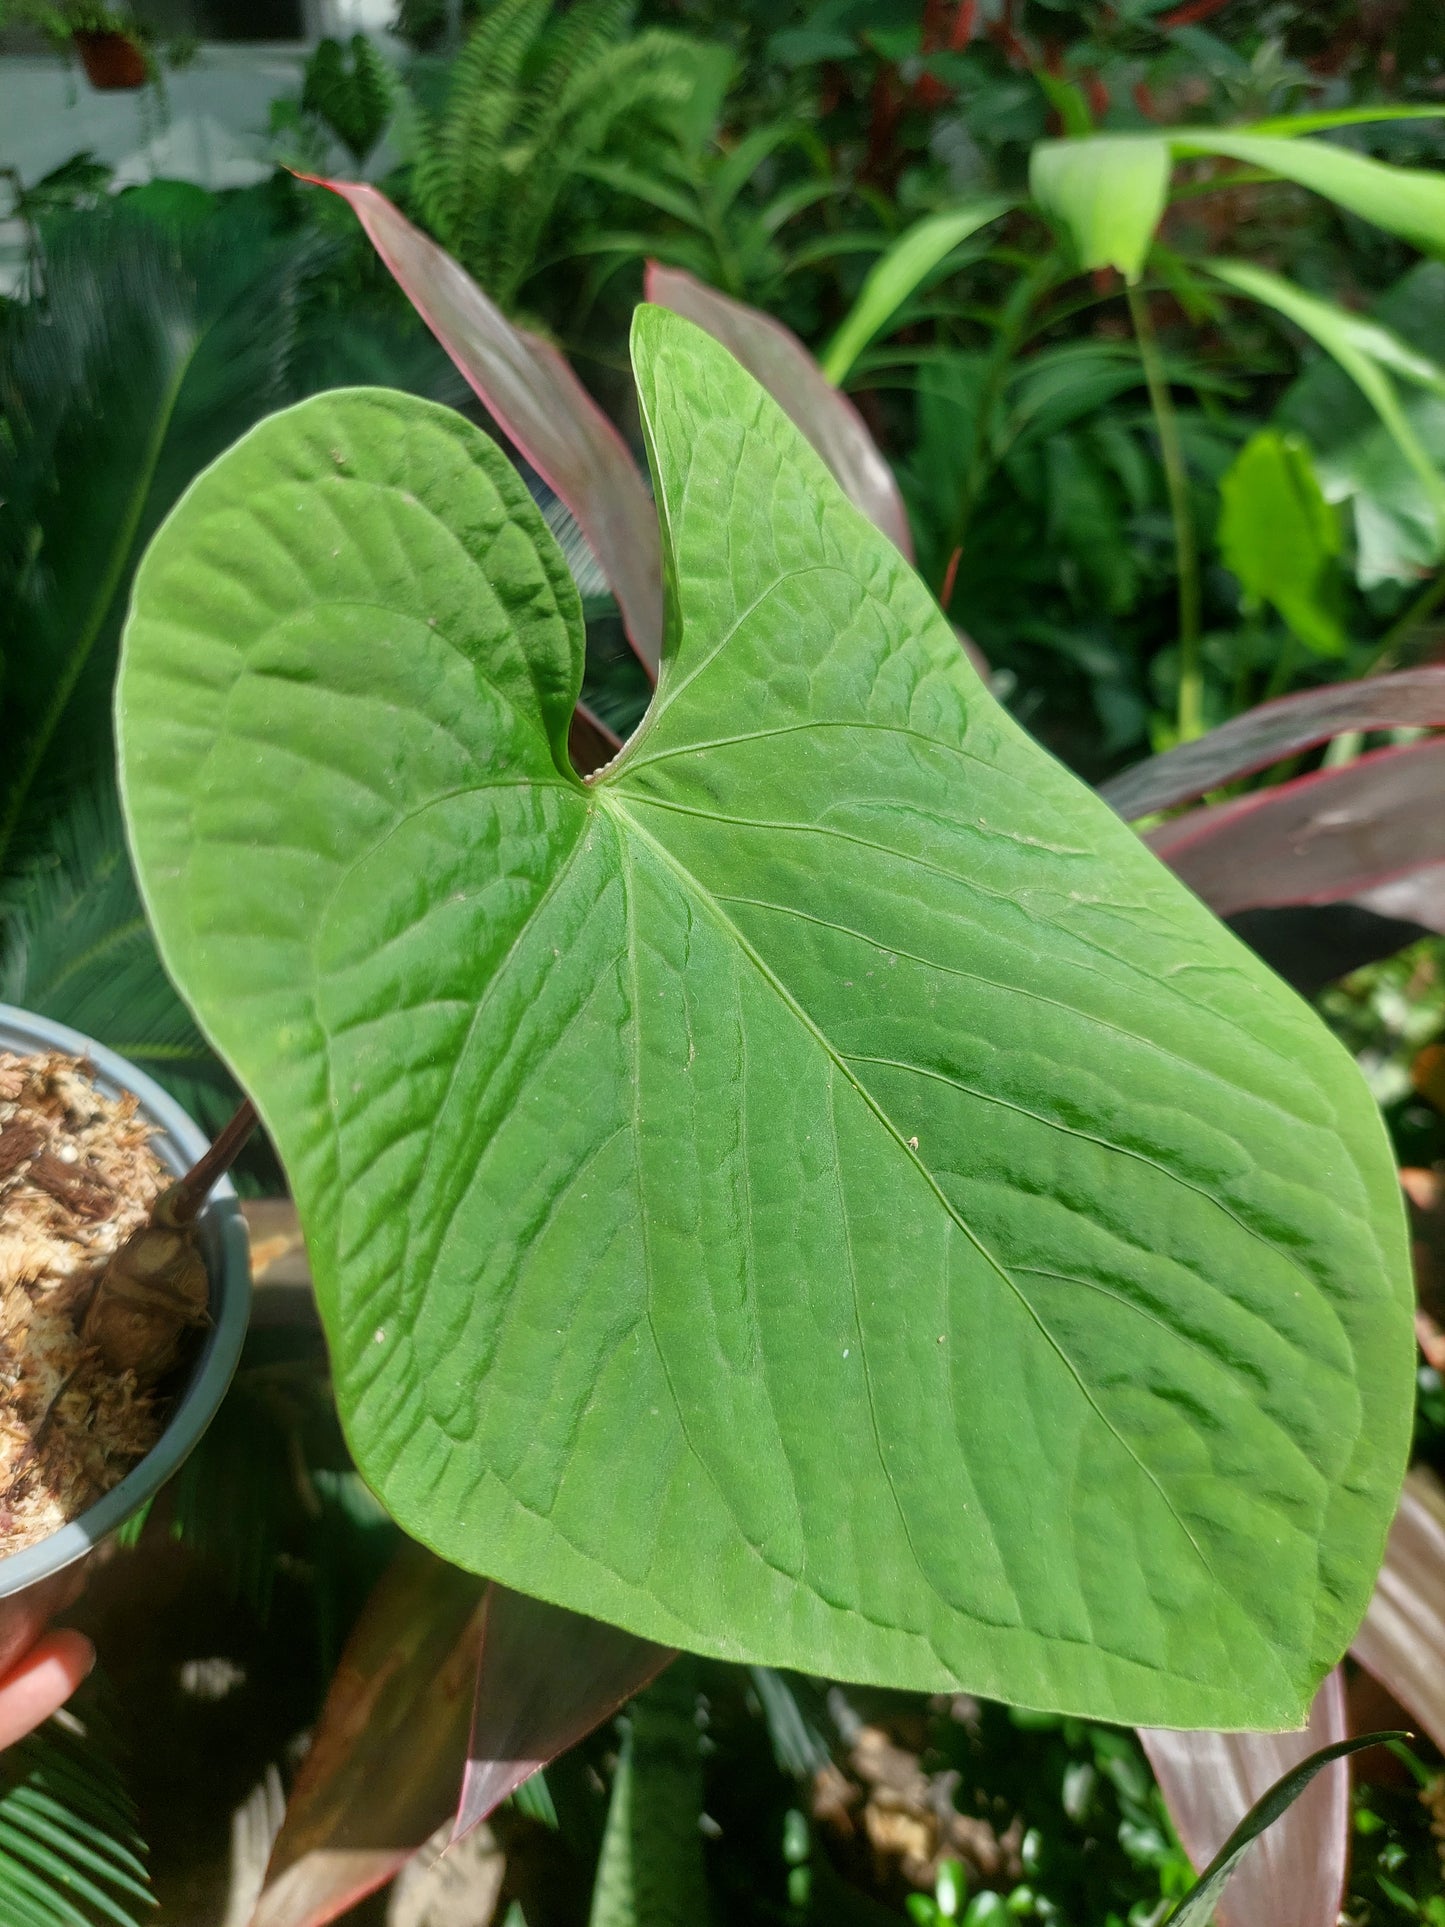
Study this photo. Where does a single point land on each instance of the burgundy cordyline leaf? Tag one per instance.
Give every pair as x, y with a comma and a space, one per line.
1294, 1875
384, 1767
1410, 697
1402, 1641
773, 355
528, 387
547, 1677
1319, 839
590, 743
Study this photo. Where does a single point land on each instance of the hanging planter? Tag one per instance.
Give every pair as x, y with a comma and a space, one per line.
190, 1381
113, 61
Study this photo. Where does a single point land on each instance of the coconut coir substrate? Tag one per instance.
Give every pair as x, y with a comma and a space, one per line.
77, 1177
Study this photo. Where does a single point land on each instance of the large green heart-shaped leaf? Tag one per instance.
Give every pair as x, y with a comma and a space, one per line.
821, 1193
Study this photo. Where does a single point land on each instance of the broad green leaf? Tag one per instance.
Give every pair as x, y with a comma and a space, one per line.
1197, 1907
1280, 536
820, 1194
774, 356
1408, 201
898, 273
1398, 536
1107, 195
1356, 344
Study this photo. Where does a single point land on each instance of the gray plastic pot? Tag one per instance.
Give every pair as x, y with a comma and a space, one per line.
178, 1142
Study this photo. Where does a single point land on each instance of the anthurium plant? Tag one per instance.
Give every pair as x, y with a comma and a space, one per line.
817, 1192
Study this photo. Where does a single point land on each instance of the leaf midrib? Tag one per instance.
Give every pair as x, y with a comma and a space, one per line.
613, 802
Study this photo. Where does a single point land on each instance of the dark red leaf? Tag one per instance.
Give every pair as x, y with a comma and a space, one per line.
384, 1767
590, 743
1294, 1875
1412, 697
1319, 839
547, 1678
773, 355
527, 385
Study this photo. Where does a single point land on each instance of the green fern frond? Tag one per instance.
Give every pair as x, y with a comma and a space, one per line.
69, 1852
611, 102
534, 98
156, 344
455, 176
569, 47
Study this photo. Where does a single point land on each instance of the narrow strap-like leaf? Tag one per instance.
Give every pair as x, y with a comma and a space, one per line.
1276, 730
1296, 1875
546, 1678
540, 403
1198, 1906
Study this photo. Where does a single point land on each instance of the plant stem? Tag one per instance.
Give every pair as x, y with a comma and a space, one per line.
1428, 600
185, 1197
1186, 546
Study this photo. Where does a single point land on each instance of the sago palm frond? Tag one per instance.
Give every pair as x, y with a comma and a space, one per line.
74, 945
69, 1852
151, 351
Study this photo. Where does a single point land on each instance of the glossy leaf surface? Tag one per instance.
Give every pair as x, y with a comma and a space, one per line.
821, 1194
774, 356
1295, 1877
1107, 194
1273, 731
1318, 839
528, 386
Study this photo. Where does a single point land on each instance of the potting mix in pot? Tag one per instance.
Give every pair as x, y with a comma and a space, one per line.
96, 1300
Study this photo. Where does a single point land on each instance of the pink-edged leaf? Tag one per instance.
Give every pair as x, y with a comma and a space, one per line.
1409, 698
773, 355
1318, 839
383, 1770
1295, 1874
590, 743
528, 387
547, 1677
1402, 1641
